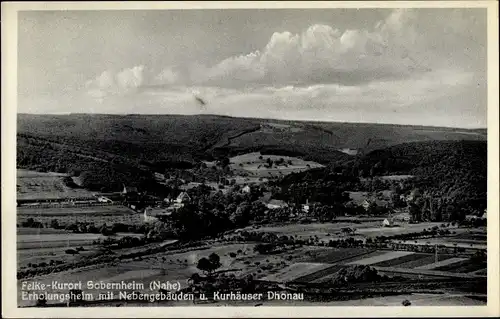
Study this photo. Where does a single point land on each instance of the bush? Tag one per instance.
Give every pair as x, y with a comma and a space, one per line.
71, 252
406, 303
232, 255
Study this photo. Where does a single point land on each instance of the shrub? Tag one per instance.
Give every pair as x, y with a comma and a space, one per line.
406, 303
232, 255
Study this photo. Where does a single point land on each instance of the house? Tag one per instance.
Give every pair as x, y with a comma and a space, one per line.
246, 189
388, 222
153, 214
307, 206
471, 217
414, 194
366, 204
183, 198
102, 199
374, 202
129, 190
403, 217
275, 203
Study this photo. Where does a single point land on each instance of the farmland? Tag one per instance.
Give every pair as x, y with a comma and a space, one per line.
295, 163
380, 258
296, 271
256, 164
56, 211
365, 228
32, 184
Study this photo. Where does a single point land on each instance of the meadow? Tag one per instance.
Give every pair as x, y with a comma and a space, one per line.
32, 184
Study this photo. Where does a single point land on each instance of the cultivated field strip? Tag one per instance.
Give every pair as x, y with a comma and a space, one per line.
399, 260
380, 258
332, 256
427, 272
417, 262
465, 266
295, 271
319, 274
442, 263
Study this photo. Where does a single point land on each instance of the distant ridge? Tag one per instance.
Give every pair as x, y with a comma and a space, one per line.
482, 130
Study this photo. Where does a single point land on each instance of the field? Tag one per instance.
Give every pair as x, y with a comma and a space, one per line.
251, 163
296, 271
449, 242
365, 227
442, 263
32, 184
36, 245
94, 139
333, 255
380, 258
94, 210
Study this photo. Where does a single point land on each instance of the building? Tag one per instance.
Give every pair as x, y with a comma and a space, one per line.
388, 222
275, 203
374, 202
402, 217
153, 214
471, 217
128, 190
88, 215
183, 198
307, 206
102, 199
246, 189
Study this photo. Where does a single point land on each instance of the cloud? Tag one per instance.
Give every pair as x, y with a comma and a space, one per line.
393, 72
122, 82
323, 54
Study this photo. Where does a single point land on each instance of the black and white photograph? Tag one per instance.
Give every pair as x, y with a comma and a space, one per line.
252, 157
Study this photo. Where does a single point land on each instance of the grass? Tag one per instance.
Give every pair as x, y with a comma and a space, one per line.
382, 257
464, 266
332, 255
39, 231
326, 231
318, 276
32, 184
420, 260
109, 210
252, 164
396, 262
297, 270
442, 263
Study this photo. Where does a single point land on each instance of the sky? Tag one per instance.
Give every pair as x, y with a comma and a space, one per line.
400, 66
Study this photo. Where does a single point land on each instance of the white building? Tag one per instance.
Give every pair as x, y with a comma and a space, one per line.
387, 222
246, 189
274, 203
183, 198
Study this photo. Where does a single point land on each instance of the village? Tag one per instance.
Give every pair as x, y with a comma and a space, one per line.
259, 223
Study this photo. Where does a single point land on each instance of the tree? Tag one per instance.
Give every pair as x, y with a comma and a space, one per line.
204, 265
71, 252
264, 248
406, 303
54, 223
194, 278
214, 260
210, 264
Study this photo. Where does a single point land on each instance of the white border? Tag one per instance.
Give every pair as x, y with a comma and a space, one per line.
9, 99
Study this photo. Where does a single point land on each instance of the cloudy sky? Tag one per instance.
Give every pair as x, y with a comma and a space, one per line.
403, 66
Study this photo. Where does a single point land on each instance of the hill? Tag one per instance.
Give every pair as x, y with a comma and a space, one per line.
127, 148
